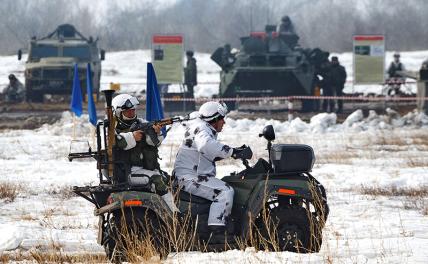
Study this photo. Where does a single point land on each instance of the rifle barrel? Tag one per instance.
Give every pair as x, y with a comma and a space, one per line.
169, 121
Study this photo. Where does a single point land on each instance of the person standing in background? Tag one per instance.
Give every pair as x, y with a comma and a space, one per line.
190, 73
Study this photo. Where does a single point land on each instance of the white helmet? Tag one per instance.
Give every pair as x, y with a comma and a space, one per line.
212, 110
123, 102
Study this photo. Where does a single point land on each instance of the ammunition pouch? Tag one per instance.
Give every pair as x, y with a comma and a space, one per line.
122, 167
150, 157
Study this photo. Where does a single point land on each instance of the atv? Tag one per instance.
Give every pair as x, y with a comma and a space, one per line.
278, 205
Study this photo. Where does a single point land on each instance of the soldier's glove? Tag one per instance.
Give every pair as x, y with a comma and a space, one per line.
243, 152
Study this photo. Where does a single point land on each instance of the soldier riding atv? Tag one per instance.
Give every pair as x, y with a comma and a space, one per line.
278, 205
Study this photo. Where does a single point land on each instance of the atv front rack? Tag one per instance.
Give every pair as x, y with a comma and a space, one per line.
99, 194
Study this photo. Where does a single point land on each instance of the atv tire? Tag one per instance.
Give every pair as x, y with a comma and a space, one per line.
297, 230
291, 229
126, 236
109, 243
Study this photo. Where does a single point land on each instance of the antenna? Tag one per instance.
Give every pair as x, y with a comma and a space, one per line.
268, 13
251, 17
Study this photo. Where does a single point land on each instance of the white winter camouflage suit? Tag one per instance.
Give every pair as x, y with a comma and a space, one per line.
195, 169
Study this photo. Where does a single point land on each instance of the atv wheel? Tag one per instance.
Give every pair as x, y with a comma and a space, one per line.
109, 243
288, 229
129, 236
296, 230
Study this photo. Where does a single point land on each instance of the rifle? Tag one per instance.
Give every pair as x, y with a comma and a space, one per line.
147, 127
82, 155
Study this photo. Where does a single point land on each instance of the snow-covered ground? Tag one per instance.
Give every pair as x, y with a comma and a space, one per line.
375, 152
129, 69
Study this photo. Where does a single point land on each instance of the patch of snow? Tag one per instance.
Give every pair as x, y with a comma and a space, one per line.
11, 237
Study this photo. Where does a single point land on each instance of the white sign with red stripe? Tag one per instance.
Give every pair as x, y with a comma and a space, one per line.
369, 59
167, 58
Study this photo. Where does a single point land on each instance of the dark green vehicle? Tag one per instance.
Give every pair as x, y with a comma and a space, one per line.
49, 68
278, 205
268, 64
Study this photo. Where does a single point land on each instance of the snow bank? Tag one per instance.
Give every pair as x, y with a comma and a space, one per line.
349, 155
326, 122
11, 237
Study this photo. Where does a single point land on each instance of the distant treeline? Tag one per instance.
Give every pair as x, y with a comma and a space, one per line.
124, 25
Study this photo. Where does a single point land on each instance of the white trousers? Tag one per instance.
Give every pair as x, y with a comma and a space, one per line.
213, 189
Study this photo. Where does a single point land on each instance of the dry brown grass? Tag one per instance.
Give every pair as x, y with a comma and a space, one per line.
142, 237
388, 138
414, 198
336, 157
180, 236
417, 204
52, 257
395, 191
28, 217
416, 162
63, 192
9, 191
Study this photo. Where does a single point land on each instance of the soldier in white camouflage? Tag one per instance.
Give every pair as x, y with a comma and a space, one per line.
195, 168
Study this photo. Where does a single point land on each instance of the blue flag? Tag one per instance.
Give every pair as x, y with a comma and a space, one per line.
76, 94
92, 112
154, 110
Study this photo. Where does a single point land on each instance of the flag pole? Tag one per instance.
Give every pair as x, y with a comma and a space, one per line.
93, 133
92, 111
74, 126
76, 99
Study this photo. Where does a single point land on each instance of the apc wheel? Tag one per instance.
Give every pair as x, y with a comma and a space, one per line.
32, 96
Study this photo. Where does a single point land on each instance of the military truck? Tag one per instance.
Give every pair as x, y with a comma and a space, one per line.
49, 68
268, 64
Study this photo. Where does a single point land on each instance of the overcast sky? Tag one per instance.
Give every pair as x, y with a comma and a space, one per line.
102, 6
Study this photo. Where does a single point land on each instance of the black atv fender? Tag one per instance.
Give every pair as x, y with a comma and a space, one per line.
127, 199
296, 186
120, 200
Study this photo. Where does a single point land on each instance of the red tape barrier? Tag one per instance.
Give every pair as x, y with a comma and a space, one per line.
292, 98
205, 83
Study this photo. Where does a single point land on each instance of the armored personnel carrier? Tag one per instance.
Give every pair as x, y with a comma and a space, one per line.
268, 64
49, 68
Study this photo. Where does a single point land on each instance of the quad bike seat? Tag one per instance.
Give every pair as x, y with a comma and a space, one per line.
198, 205
185, 196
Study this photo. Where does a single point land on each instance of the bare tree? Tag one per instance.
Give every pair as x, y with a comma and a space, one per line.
328, 24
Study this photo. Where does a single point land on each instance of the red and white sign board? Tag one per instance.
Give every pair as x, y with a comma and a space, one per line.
167, 58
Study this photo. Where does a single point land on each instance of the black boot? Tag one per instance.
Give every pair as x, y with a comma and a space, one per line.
217, 230
215, 235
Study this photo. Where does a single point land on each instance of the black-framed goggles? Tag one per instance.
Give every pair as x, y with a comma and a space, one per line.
130, 103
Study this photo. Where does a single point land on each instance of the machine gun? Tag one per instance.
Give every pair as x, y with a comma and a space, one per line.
147, 127
82, 155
